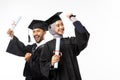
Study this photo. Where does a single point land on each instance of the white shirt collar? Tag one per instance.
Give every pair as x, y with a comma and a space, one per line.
40, 43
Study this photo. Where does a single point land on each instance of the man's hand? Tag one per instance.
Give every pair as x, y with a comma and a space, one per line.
10, 33
55, 58
27, 56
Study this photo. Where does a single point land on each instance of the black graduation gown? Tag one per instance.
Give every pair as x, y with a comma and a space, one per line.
68, 68
32, 67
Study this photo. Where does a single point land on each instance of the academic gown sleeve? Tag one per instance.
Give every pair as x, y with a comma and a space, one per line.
16, 47
80, 41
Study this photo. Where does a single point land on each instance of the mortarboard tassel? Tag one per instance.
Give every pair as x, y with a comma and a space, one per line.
29, 39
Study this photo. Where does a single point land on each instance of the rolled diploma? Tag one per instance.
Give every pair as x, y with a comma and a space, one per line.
15, 22
57, 47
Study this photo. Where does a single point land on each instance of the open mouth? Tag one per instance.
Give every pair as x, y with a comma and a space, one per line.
37, 37
61, 31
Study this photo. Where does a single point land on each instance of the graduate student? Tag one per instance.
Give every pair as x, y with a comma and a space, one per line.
30, 52
70, 48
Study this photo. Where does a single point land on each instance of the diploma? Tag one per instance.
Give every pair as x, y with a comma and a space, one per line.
15, 22
57, 47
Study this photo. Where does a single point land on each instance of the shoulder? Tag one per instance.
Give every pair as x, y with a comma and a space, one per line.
33, 44
67, 38
50, 42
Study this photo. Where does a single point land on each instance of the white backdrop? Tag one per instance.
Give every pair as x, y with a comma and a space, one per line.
99, 61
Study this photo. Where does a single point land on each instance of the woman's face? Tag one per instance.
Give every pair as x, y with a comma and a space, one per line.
59, 27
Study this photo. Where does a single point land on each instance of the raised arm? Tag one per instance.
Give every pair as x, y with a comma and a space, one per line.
81, 35
15, 46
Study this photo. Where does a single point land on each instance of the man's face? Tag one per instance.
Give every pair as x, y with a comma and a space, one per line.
38, 34
59, 27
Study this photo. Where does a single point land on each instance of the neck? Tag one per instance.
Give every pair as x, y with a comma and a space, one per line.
40, 43
57, 36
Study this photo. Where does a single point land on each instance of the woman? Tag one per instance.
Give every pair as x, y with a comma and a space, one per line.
70, 48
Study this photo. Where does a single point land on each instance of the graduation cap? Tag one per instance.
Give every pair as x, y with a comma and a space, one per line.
37, 24
54, 18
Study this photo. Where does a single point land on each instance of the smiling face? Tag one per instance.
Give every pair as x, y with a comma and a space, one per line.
38, 34
59, 27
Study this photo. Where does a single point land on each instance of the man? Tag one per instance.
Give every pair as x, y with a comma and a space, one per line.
30, 52
70, 48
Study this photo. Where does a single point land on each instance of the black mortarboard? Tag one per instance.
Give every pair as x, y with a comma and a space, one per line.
54, 18
37, 24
